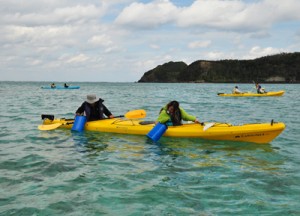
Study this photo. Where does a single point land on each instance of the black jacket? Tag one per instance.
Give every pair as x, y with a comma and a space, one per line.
94, 112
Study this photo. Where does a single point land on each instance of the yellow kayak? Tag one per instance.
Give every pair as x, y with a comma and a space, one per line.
254, 132
251, 94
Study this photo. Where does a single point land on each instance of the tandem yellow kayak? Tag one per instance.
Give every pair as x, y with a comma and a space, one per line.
253, 132
251, 94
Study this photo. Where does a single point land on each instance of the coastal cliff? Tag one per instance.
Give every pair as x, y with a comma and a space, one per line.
280, 68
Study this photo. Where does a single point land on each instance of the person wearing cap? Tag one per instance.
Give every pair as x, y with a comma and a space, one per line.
172, 114
93, 108
236, 90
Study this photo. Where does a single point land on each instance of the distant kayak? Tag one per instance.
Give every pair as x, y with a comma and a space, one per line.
251, 94
60, 87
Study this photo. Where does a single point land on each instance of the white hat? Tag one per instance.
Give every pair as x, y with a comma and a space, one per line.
91, 98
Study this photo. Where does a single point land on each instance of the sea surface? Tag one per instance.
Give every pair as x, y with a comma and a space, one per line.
61, 172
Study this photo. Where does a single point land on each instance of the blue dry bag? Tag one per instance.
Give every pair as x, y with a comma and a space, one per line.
79, 123
157, 132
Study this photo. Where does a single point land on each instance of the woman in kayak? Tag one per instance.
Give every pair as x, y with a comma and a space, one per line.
66, 86
93, 108
53, 85
172, 114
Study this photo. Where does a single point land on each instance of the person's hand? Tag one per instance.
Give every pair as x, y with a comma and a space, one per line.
111, 116
196, 121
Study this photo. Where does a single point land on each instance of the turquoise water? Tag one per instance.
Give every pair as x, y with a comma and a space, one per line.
63, 173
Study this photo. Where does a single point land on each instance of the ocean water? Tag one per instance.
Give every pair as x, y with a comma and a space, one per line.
60, 172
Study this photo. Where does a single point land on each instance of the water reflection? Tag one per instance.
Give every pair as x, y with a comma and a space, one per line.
172, 152
225, 154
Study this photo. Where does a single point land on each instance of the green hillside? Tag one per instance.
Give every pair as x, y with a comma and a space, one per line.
280, 68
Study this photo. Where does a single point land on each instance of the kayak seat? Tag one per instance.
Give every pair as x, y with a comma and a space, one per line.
50, 117
146, 122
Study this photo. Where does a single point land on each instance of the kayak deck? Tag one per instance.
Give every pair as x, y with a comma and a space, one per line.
251, 94
256, 132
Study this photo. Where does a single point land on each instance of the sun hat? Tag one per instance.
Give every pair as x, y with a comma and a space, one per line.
91, 98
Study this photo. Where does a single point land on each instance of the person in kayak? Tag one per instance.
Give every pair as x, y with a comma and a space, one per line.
93, 108
236, 90
259, 89
66, 86
172, 114
53, 85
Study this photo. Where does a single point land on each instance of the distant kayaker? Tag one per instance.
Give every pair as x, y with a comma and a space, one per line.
93, 108
172, 114
53, 85
66, 86
236, 90
259, 89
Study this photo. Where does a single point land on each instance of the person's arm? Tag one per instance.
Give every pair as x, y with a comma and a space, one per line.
163, 117
80, 110
107, 112
186, 117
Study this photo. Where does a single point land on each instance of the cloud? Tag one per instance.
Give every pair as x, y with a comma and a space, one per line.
76, 59
199, 44
258, 51
61, 15
232, 15
100, 40
154, 46
148, 15
119, 40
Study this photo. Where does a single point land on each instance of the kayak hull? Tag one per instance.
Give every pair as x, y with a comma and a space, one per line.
60, 87
256, 133
250, 94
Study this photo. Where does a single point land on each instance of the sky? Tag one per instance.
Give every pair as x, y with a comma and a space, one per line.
120, 40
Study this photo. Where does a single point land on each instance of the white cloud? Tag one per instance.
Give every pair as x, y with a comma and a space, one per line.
232, 15
215, 55
63, 15
100, 40
199, 44
147, 15
257, 51
154, 46
125, 38
77, 59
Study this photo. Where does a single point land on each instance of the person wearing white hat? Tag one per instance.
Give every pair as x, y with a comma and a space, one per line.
93, 108
236, 90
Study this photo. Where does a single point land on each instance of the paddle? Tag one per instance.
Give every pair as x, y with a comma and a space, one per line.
133, 114
52, 126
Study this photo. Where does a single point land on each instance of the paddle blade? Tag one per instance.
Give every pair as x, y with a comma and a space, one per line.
208, 125
136, 114
49, 127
